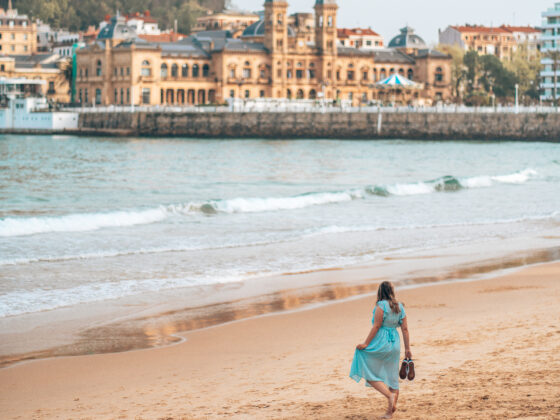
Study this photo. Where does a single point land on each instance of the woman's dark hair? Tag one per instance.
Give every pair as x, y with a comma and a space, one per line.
386, 291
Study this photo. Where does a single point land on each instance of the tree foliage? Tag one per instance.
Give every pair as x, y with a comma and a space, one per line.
79, 14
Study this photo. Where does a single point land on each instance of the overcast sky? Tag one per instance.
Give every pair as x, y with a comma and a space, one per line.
425, 16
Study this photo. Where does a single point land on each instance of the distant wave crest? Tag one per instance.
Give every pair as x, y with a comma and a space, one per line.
11, 226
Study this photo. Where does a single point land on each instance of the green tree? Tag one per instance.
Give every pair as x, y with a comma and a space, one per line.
526, 68
458, 68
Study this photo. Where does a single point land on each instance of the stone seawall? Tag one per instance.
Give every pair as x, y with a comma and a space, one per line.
291, 125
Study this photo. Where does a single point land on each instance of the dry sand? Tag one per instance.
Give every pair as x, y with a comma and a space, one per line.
488, 349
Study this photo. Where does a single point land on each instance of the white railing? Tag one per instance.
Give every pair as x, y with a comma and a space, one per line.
240, 106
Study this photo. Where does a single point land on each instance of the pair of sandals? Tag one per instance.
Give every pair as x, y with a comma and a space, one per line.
407, 370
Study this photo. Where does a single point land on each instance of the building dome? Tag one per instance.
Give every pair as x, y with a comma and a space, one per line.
407, 39
257, 29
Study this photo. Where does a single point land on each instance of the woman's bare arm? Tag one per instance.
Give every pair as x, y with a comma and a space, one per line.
406, 337
377, 322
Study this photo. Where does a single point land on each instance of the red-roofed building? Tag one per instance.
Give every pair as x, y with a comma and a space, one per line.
500, 41
360, 38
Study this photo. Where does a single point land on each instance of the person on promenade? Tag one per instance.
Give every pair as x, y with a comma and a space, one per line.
377, 358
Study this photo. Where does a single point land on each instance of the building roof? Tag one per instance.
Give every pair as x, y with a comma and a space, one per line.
345, 32
479, 29
428, 52
407, 39
391, 55
117, 29
354, 51
46, 61
141, 16
525, 29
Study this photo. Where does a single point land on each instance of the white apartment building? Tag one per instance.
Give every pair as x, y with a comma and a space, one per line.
550, 43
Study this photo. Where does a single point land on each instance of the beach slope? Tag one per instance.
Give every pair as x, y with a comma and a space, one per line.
488, 349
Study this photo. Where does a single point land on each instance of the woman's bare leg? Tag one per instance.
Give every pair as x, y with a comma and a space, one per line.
396, 394
383, 389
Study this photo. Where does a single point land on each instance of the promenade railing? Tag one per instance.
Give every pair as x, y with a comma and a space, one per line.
310, 106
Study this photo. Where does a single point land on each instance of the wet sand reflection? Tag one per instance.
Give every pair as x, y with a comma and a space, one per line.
162, 329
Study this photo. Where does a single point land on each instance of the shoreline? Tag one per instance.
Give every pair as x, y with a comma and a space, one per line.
163, 327
471, 335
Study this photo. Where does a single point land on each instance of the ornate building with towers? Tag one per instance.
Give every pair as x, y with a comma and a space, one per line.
279, 56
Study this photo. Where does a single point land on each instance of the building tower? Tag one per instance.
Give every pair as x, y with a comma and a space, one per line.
276, 41
276, 26
326, 43
325, 26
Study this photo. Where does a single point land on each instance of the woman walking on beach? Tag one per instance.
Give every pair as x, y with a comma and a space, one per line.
377, 358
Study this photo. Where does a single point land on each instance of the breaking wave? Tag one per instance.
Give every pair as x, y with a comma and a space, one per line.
11, 226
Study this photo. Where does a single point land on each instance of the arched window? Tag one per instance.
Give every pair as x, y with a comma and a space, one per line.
98, 71
289, 94
392, 71
174, 70
312, 94
330, 21
185, 70
300, 94
439, 74
375, 75
146, 69
410, 74
164, 71
195, 70
382, 74
401, 71
205, 70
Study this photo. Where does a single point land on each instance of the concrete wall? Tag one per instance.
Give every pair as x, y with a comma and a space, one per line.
444, 126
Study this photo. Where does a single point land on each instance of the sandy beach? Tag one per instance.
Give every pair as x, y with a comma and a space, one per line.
484, 349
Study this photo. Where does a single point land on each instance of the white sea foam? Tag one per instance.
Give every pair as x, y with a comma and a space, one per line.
79, 222
37, 300
93, 221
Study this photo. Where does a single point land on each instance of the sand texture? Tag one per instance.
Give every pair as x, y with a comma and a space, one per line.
488, 349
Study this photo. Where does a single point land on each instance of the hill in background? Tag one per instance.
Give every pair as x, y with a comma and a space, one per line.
79, 14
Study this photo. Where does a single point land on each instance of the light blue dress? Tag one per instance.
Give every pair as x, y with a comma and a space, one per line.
380, 360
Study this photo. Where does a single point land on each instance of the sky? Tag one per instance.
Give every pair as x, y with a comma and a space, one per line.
425, 16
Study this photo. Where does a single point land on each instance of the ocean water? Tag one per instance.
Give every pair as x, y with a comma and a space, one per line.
92, 219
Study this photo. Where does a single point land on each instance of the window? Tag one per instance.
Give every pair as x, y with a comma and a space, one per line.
246, 73
439, 74
174, 70
185, 70
350, 75
410, 74
289, 74
161, 95
80, 96
116, 101
98, 68
311, 74
86, 72
25, 48
116, 71
232, 73
86, 96
12, 47
12, 36
163, 71
51, 88
122, 96
232, 93
365, 75
98, 96
338, 75
145, 96
261, 94
205, 70
127, 95
25, 37
128, 71
122, 71
330, 21
247, 94
195, 70
263, 73
146, 70
299, 94
299, 74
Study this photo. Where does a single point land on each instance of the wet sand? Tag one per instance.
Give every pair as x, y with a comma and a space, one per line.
483, 349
